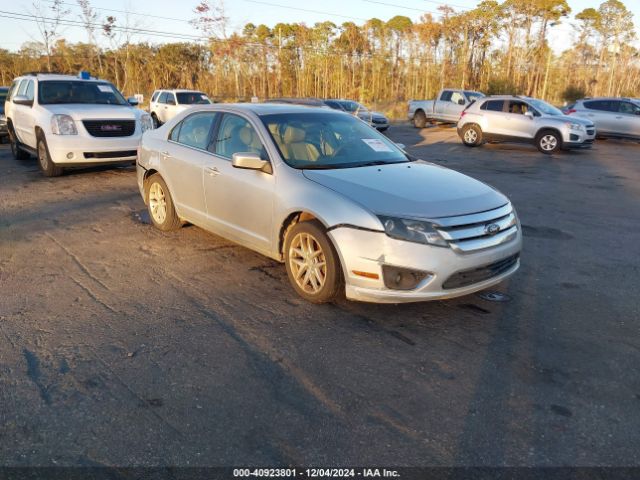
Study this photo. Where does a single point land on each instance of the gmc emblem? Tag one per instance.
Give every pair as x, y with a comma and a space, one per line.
110, 128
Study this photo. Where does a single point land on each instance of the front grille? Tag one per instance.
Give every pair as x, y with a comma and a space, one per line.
470, 233
119, 154
480, 274
110, 128
379, 120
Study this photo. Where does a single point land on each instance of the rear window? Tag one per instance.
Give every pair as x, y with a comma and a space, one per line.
493, 105
192, 98
55, 92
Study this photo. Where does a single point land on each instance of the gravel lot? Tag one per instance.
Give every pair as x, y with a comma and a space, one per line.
123, 345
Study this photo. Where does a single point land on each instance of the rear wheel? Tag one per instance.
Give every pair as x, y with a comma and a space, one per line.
313, 266
18, 153
548, 142
48, 168
419, 119
161, 209
471, 135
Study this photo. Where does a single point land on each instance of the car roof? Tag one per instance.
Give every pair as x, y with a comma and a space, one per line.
177, 90
59, 76
625, 99
267, 108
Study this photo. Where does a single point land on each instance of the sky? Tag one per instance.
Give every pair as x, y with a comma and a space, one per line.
145, 12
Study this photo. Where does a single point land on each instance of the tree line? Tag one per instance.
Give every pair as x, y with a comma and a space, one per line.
497, 47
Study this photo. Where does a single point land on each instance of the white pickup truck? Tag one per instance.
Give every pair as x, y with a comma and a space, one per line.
446, 108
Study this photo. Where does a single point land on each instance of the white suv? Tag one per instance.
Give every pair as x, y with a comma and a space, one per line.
166, 104
72, 121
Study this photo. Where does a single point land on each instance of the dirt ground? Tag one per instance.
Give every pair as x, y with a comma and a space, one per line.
123, 345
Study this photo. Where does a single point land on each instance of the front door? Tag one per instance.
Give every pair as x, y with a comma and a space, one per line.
239, 202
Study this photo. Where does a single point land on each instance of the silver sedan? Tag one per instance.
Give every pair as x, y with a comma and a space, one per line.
345, 209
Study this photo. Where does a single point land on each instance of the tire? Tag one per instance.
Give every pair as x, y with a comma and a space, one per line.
548, 142
307, 245
18, 153
156, 122
419, 119
47, 167
471, 135
160, 205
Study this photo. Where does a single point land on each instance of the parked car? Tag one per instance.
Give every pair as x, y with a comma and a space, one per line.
341, 205
4, 133
166, 104
69, 121
523, 119
447, 107
376, 119
613, 117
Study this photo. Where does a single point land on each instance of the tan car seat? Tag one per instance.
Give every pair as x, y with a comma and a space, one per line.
296, 146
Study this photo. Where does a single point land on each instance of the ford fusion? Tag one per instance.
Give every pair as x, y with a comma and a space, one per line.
345, 209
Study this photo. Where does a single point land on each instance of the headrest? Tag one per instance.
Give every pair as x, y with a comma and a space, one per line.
247, 136
293, 135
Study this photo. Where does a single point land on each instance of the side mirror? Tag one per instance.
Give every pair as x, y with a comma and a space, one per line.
529, 114
251, 161
461, 101
22, 100
133, 101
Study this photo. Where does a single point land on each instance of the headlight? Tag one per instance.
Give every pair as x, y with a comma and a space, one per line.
146, 123
575, 126
63, 125
412, 231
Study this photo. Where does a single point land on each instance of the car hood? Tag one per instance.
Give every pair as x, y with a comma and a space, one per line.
411, 190
368, 114
571, 119
96, 112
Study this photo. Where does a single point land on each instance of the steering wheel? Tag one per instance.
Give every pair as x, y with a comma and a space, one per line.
339, 150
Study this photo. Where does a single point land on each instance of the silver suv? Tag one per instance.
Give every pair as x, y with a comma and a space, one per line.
523, 119
613, 117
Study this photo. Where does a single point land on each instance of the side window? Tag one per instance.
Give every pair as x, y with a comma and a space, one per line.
493, 105
519, 108
171, 98
602, 105
13, 89
236, 135
456, 97
628, 108
195, 130
23, 87
446, 95
29, 90
175, 132
163, 97
154, 97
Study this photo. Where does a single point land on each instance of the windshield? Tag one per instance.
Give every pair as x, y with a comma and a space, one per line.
53, 92
545, 108
473, 96
329, 140
192, 98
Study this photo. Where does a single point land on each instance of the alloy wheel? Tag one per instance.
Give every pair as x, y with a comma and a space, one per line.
308, 263
42, 155
158, 203
471, 136
548, 143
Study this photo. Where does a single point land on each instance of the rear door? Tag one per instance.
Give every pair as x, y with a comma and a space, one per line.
493, 118
183, 159
440, 106
161, 109
603, 114
23, 120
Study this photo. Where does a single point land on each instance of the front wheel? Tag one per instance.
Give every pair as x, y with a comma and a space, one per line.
548, 142
313, 266
471, 135
48, 168
161, 209
156, 122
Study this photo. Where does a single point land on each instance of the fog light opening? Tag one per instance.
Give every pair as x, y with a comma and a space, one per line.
70, 155
397, 278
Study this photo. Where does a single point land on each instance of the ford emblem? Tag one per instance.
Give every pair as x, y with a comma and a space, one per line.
492, 229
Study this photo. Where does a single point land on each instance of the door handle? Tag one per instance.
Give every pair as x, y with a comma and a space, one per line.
619, 118
213, 171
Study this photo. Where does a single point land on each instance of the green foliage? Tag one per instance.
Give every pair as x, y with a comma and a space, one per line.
573, 93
